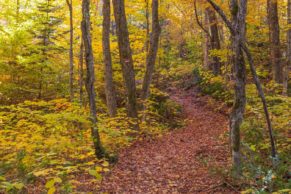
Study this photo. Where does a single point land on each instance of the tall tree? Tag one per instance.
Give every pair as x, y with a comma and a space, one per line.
234, 32
274, 34
288, 64
153, 49
46, 34
99, 151
81, 72
70, 6
17, 10
206, 47
147, 16
109, 86
125, 55
238, 10
214, 39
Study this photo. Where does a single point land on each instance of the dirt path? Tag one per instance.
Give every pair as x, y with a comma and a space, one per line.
179, 162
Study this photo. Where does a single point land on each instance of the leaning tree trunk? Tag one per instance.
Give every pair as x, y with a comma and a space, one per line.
233, 31
238, 10
70, 5
153, 49
214, 40
99, 151
109, 86
274, 33
287, 65
249, 56
125, 56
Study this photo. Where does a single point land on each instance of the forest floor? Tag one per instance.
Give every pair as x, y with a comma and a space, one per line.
193, 159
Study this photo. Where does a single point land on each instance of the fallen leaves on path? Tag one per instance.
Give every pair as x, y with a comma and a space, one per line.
180, 161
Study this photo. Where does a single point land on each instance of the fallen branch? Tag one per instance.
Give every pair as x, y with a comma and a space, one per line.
224, 183
214, 187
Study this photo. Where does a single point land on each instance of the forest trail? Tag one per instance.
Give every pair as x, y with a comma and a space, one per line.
180, 161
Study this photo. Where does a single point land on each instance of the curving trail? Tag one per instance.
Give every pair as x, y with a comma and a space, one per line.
180, 161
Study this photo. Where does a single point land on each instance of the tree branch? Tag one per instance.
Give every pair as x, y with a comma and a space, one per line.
223, 16
69, 3
198, 21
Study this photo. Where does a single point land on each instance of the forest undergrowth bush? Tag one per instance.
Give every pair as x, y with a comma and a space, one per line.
259, 175
50, 141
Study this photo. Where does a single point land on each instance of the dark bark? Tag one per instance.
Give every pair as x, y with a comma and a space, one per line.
81, 72
40, 84
125, 55
147, 15
238, 10
206, 47
99, 151
287, 65
214, 40
274, 32
109, 86
153, 49
254, 74
70, 5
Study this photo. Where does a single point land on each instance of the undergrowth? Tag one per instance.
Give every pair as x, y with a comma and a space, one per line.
259, 174
50, 142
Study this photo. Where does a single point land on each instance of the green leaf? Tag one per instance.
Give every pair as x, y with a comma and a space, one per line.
7, 185
58, 180
95, 174
18, 186
253, 147
98, 177
2, 178
50, 184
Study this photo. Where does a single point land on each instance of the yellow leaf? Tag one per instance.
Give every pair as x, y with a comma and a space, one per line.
98, 168
105, 164
51, 190
58, 180
18, 186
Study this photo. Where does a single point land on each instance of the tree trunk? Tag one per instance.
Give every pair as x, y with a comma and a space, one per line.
70, 5
153, 49
274, 33
248, 54
99, 151
206, 48
238, 10
125, 56
214, 40
81, 74
287, 65
109, 86
17, 10
147, 15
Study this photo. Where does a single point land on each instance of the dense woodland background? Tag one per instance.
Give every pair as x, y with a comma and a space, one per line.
82, 80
